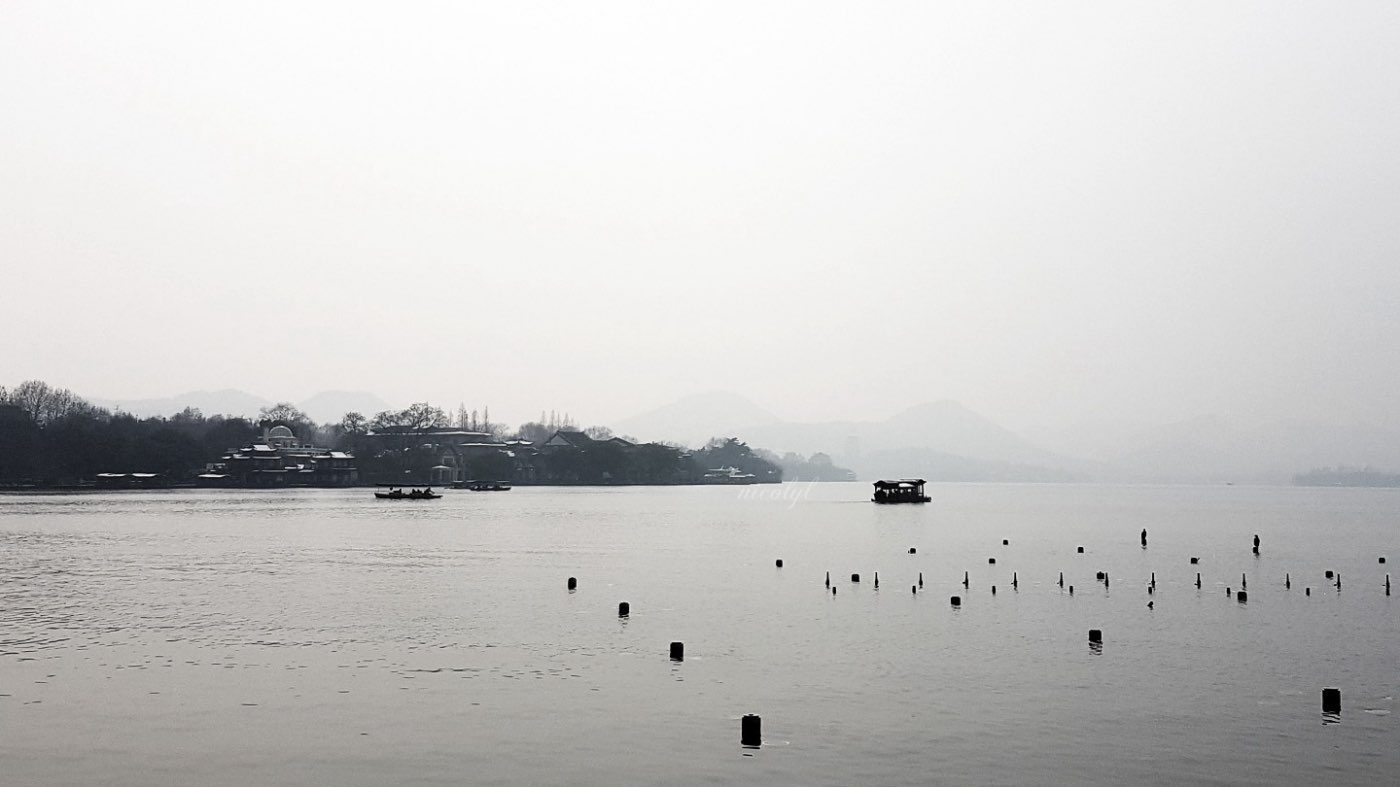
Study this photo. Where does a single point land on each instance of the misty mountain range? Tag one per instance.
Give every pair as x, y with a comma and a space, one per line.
945, 440
941, 440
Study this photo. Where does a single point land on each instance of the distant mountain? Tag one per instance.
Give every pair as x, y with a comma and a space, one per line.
695, 419
941, 434
330, 406
229, 401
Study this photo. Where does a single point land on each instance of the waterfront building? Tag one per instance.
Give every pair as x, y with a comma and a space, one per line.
280, 459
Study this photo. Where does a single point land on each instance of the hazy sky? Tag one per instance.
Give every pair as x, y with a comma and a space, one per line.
1049, 211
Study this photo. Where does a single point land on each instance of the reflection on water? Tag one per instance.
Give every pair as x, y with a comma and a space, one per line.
319, 637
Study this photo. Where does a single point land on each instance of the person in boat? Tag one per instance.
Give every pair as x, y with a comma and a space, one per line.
427, 491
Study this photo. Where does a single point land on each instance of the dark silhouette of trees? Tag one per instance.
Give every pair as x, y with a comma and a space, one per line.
50, 436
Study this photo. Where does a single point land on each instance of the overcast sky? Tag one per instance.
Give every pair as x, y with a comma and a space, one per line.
1051, 212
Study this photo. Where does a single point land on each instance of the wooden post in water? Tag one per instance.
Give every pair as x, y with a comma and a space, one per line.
573, 583
751, 731
855, 577
1095, 635
624, 609
1331, 700
955, 601
1062, 579
877, 580
964, 579
828, 579
1287, 582
1242, 596
1198, 580
779, 563
921, 579
677, 651
1014, 583
1144, 536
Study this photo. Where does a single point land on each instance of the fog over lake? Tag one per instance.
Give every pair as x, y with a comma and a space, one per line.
1119, 280
1072, 218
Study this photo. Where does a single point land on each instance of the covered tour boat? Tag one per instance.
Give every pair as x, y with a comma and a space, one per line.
904, 490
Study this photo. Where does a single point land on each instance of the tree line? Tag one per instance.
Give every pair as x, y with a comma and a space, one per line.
50, 436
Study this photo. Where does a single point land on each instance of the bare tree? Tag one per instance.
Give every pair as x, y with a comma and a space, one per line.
354, 424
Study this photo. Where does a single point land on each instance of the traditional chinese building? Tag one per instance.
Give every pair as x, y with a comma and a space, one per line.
279, 460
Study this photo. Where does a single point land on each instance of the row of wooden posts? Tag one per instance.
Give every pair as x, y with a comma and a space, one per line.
751, 725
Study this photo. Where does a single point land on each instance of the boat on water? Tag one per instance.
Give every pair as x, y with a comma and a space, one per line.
483, 486
904, 490
395, 493
728, 475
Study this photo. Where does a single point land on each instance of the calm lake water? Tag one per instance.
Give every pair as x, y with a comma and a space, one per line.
321, 637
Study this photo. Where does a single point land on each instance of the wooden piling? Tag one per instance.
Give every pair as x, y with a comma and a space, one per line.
677, 651
751, 731
624, 609
1331, 700
573, 583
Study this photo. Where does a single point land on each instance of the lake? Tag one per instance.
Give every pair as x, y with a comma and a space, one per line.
323, 637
